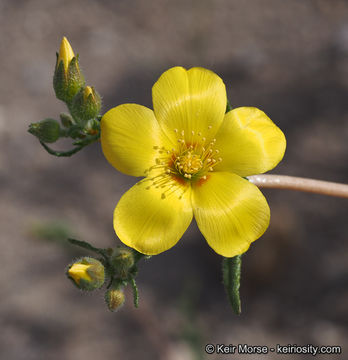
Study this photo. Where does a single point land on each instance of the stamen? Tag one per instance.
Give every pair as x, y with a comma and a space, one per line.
191, 159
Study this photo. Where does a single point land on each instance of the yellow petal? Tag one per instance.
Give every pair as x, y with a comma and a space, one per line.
230, 212
129, 135
192, 100
79, 271
249, 142
149, 223
65, 53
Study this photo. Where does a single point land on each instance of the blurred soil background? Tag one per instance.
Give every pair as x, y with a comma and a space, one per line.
288, 58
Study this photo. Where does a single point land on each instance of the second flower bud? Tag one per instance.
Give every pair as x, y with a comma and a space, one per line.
86, 104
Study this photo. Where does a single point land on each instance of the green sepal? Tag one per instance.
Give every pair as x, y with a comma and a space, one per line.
228, 106
76, 80
92, 127
60, 81
231, 270
66, 120
67, 85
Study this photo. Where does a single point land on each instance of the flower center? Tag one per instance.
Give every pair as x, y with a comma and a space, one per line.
189, 163
192, 159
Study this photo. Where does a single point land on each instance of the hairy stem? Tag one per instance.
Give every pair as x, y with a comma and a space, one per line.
300, 184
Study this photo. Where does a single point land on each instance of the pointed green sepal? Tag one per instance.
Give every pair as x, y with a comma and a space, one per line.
67, 84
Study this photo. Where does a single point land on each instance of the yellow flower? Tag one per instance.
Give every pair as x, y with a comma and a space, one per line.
194, 158
66, 53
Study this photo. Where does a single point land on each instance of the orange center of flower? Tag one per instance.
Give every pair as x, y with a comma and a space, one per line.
192, 159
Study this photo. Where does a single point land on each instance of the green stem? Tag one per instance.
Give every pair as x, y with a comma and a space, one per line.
231, 270
61, 153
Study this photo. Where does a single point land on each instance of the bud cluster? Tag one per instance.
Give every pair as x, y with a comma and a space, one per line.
117, 267
83, 103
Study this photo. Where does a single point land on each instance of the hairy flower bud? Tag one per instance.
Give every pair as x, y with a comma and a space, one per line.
86, 104
122, 260
114, 299
67, 80
47, 130
87, 273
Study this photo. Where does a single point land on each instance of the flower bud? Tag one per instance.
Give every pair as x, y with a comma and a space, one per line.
47, 130
86, 104
114, 299
67, 80
87, 273
122, 260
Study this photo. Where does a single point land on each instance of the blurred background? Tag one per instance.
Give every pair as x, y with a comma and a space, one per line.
289, 58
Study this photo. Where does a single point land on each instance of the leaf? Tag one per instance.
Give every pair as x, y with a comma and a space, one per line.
231, 270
